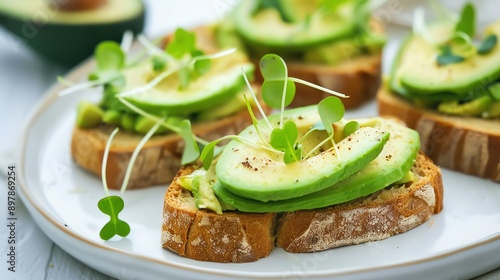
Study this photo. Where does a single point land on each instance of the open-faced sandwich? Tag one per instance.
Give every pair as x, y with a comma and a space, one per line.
158, 100
303, 179
334, 44
445, 84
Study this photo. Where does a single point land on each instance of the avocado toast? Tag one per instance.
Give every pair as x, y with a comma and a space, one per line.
334, 44
305, 180
448, 91
164, 98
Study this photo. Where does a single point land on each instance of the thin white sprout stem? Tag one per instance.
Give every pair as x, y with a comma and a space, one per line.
283, 97
65, 82
317, 147
318, 87
255, 99
81, 86
105, 161
127, 39
214, 55
136, 153
151, 84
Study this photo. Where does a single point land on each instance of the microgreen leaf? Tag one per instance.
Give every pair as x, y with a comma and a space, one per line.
284, 139
207, 154
487, 44
182, 43
109, 56
331, 110
159, 63
201, 66
191, 150
112, 206
467, 22
272, 93
273, 67
447, 57
350, 127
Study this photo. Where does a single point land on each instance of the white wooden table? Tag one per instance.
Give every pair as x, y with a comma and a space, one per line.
24, 77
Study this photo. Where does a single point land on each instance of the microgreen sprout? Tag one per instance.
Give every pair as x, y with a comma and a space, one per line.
111, 205
455, 45
278, 91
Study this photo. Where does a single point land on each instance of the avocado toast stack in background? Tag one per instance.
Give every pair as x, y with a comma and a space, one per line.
178, 90
445, 84
304, 179
334, 44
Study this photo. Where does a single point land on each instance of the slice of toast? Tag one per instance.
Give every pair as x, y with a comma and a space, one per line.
466, 144
244, 237
159, 159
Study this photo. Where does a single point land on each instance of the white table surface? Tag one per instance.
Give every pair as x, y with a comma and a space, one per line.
24, 77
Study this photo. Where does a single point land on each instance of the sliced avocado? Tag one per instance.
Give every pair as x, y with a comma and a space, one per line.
128, 122
69, 37
391, 165
418, 71
143, 125
112, 117
297, 10
259, 174
228, 108
200, 184
265, 28
472, 108
222, 82
88, 115
493, 111
343, 50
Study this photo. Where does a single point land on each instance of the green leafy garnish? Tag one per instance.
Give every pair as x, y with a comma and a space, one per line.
467, 22
191, 150
447, 57
112, 206
284, 139
487, 44
331, 110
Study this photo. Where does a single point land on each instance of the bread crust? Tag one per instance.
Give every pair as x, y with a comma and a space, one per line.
159, 159
466, 144
358, 77
378, 216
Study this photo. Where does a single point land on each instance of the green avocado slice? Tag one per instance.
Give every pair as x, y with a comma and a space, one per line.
418, 72
391, 165
266, 28
260, 174
69, 37
221, 83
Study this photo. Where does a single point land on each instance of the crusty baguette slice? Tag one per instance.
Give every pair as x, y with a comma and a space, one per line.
465, 144
243, 237
159, 159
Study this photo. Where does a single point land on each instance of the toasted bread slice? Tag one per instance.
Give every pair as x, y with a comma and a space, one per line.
244, 237
466, 144
159, 159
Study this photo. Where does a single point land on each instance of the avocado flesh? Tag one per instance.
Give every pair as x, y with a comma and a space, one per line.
88, 115
262, 175
418, 72
266, 29
68, 38
222, 82
391, 165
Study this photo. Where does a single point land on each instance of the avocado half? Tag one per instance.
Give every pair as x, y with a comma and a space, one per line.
69, 37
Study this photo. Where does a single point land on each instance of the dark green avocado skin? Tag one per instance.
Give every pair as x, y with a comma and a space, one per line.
68, 44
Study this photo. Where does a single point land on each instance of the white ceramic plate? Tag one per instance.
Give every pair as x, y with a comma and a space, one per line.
461, 242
